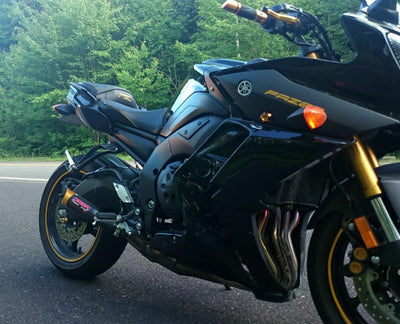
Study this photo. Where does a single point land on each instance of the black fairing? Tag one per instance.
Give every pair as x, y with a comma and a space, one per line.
198, 104
239, 166
364, 90
178, 146
240, 153
275, 94
140, 146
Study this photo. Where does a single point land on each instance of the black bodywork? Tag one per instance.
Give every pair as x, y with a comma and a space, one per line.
220, 165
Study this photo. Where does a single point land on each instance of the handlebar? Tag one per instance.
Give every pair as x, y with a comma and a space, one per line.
245, 11
257, 15
293, 24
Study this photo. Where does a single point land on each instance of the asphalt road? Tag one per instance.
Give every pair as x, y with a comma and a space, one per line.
134, 290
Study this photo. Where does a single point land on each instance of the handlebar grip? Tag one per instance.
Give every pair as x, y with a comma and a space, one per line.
245, 11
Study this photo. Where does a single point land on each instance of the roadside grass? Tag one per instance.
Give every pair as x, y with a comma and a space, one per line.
55, 158
32, 159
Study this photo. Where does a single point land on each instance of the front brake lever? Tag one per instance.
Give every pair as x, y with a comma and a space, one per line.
283, 18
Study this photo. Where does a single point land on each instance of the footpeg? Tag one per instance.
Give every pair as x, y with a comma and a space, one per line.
130, 227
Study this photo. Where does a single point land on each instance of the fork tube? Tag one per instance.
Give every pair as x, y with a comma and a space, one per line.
364, 161
371, 156
364, 170
384, 218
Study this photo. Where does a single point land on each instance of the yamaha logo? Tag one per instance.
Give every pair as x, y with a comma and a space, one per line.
244, 88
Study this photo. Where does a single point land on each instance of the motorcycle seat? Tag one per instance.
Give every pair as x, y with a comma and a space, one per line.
150, 121
110, 92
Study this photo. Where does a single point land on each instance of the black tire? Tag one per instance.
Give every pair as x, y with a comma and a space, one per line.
341, 297
79, 250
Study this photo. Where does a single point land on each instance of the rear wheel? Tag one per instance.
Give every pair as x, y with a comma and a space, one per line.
373, 296
77, 248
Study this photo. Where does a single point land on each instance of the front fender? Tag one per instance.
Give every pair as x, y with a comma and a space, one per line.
337, 202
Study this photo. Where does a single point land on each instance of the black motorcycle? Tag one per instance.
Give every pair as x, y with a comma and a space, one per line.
250, 156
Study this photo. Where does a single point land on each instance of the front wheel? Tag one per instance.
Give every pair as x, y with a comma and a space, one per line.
77, 248
340, 296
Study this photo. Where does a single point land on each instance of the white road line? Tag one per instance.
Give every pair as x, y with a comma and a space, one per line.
23, 179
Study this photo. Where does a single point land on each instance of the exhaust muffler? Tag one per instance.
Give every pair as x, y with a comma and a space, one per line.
81, 209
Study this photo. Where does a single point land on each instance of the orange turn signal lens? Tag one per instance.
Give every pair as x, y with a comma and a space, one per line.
366, 233
314, 116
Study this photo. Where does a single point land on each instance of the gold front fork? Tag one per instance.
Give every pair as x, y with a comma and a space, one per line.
364, 161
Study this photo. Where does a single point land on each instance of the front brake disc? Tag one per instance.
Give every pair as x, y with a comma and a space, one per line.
378, 294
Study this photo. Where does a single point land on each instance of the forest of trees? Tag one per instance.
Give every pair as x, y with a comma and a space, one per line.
146, 46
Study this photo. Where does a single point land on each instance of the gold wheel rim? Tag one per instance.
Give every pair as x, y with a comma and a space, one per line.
334, 296
48, 234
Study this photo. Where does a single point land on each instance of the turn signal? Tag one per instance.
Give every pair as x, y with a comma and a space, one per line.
366, 233
314, 116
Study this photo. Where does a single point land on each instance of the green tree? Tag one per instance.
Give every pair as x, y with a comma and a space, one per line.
140, 73
222, 34
63, 41
8, 22
11, 14
66, 40
162, 26
160, 23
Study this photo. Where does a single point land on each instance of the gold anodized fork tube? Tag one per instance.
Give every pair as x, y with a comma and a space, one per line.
371, 156
363, 168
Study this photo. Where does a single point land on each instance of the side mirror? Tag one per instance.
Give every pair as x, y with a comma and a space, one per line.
384, 10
